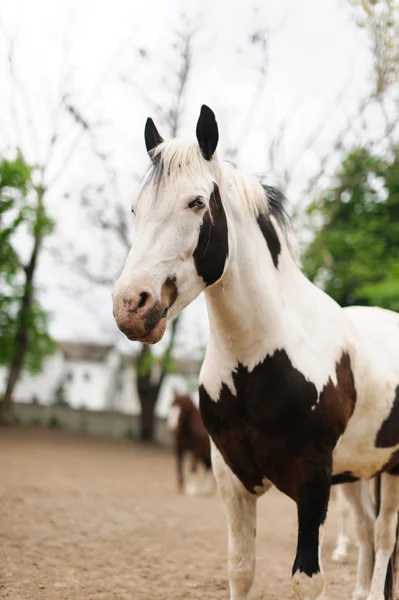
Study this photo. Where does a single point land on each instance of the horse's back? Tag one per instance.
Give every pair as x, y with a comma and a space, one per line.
372, 315
372, 434
374, 337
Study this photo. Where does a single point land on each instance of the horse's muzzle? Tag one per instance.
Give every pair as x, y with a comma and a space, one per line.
140, 315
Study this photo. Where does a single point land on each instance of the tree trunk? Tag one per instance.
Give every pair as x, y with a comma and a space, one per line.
22, 333
148, 386
148, 402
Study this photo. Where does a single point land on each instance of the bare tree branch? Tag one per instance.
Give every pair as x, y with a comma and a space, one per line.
260, 40
333, 151
183, 73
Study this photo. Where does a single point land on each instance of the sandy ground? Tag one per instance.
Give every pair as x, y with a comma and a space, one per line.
92, 519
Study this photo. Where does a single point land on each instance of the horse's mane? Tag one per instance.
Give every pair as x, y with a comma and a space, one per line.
173, 156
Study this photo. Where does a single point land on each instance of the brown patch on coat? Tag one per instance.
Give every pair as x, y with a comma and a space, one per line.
345, 477
160, 308
271, 237
212, 248
276, 426
169, 292
388, 434
392, 465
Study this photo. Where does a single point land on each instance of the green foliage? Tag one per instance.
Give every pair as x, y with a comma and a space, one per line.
129, 433
54, 422
40, 344
355, 252
15, 174
15, 177
21, 212
148, 360
60, 395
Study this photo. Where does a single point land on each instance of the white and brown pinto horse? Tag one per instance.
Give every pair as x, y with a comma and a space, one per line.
190, 437
294, 390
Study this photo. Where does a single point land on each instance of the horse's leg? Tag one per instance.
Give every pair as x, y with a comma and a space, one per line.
209, 486
194, 463
340, 553
180, 475
241, 517
357, 495
312, 503
385, 533
192, 486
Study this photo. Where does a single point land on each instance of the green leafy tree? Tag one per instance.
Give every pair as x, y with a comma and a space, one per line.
354, 255
24, 339
14, 178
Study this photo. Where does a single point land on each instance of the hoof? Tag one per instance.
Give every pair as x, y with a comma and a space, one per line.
191, 490
361, 595
308, 588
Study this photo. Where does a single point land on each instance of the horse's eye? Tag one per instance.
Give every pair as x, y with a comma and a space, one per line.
196, 203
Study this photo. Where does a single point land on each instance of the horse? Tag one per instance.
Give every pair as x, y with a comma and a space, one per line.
190, 436
343, 540
295, 391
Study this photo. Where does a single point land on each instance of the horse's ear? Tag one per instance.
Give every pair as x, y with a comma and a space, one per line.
207, 132
151, 136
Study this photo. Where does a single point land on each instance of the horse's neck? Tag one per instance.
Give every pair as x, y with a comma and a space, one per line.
256, 305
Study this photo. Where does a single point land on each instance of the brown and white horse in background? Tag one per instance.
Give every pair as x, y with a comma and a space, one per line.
295, 391
190, 437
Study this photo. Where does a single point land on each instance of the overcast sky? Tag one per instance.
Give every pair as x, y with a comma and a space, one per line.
315, 52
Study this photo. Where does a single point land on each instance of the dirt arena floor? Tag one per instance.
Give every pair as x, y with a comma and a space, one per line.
91, 519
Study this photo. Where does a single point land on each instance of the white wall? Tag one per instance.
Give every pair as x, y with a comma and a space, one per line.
42, 385
174, 382
86, 384
96, 385
125, 397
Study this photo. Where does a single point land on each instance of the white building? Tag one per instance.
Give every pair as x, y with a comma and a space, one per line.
98, 377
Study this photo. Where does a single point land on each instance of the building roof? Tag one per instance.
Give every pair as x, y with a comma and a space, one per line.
85, 351
98, 352
188, 366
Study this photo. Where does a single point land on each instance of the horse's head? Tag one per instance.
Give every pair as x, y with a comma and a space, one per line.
182, 405
181, 240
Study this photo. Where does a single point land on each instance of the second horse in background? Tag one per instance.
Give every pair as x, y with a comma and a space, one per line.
192, 438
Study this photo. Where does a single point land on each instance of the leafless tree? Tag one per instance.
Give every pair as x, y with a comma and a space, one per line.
152, 370
66, 133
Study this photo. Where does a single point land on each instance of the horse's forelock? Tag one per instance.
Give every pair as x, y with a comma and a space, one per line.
177, 158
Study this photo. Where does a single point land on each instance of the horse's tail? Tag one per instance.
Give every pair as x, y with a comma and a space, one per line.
391, 577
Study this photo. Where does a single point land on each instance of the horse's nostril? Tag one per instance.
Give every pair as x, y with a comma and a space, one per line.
143, 299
